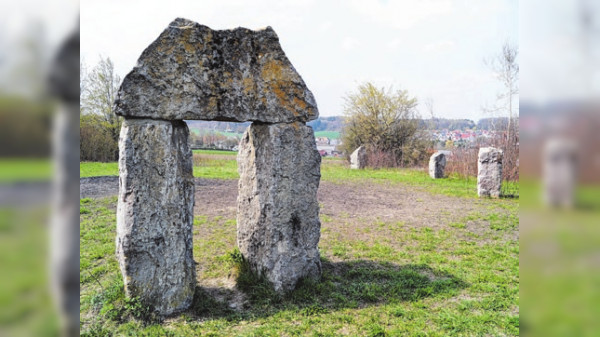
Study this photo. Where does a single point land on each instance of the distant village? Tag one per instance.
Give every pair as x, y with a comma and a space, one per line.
459, 138
446, 134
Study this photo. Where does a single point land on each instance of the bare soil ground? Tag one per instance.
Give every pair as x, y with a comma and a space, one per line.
354, 202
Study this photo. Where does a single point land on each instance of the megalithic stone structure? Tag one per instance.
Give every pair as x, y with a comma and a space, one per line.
193, 72
489, 172
437, 165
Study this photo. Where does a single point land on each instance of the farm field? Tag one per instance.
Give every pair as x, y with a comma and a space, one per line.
328, 134
402, 255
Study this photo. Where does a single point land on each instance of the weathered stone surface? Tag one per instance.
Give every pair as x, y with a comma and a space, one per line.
358, 158
64, 218
194, 72
278, 223
489, 172
155, 213
560, 172
437, 165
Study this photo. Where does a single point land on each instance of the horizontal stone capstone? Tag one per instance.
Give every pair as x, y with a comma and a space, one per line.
196, 73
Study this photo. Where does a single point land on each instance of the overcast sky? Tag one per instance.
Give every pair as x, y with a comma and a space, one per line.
560, 59
432, 48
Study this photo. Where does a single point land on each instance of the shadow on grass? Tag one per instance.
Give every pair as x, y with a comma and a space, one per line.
351, 284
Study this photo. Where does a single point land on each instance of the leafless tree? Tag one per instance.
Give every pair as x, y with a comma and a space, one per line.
506, 70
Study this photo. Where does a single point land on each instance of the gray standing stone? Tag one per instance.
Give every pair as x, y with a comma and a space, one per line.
278, 223
193, 72
64, 218
358, 158
489, 172
155, 213
560, 172
437, 165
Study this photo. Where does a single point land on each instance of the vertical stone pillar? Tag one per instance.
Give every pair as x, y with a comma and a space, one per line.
278, 225
64, 214
155, 213
489, 172
358, 158
560, 172
437, 165
64, 220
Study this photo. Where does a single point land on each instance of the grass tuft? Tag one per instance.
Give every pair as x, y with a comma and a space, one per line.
255, 286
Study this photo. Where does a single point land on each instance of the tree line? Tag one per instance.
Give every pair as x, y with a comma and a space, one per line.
387, 123
336, 123
99, 126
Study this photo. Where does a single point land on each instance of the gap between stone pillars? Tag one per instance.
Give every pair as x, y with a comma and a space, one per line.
278, 224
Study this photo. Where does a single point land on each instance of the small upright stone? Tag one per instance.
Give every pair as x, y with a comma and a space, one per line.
278, 223
437, 165
155, 214
489, 172
358, 158
560, 173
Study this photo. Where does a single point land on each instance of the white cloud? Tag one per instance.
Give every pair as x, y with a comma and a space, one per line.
335, 44
395, 43
350, 43
325, 26
402, 14
439, 46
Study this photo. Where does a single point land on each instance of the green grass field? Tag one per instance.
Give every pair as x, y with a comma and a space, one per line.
96, 169
23, 169
559, 275
380, 277
442, 283
26, 307
218, 152
328, 134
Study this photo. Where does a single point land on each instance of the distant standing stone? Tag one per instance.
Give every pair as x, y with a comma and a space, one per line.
437, 165
560, 172
489, 172
155, 213
278, 225
358, 158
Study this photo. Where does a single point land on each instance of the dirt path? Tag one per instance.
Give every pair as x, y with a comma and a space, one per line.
351, 201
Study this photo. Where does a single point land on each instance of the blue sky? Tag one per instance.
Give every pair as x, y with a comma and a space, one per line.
432, 48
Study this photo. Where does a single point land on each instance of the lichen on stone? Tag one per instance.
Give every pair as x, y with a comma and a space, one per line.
246, 71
